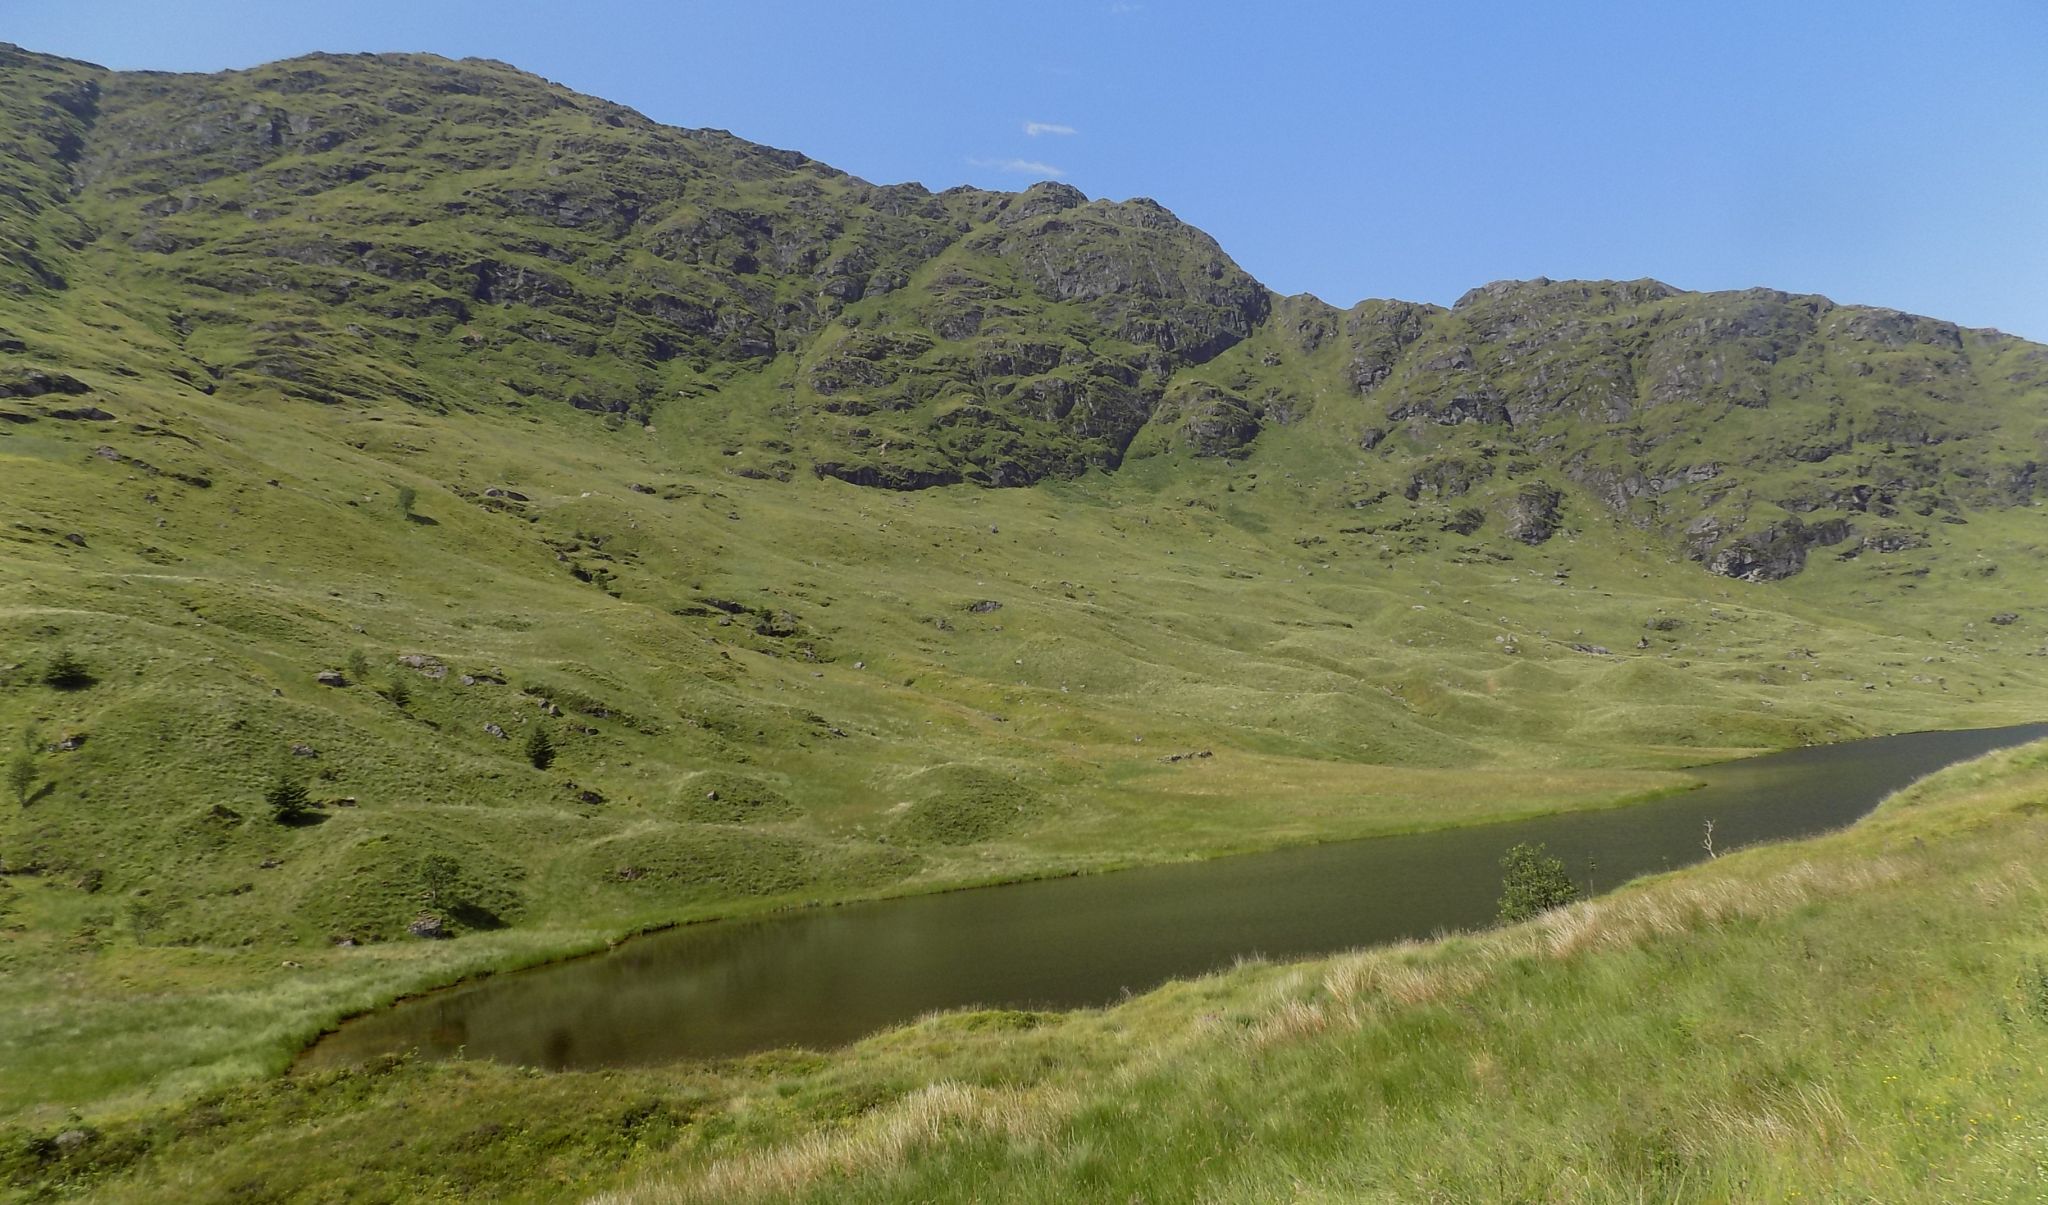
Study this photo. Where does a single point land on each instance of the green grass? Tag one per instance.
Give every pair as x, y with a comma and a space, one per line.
458, 420
1332, 705
1858, 1016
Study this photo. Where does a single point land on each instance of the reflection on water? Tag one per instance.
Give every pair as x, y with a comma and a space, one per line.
826, 977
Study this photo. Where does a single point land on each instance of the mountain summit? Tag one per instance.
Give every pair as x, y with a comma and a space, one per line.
464, 236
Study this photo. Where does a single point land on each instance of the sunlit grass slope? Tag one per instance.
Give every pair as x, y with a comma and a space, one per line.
507, 410
1861, 1016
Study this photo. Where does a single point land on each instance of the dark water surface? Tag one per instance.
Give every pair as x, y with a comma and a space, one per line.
825, 977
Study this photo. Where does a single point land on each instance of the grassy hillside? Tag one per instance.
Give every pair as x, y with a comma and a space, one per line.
516, 412
1860, 1016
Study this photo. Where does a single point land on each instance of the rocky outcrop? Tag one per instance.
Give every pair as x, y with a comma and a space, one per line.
1533, 513
1770, 553
892, 337
887, 476
1209, 421
36, 382
1448, 476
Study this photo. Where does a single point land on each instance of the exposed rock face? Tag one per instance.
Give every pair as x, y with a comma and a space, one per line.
1533, 513
534, 247
888, 477
640, 247
35, 382
1210, 421
1449, 476
1772, 553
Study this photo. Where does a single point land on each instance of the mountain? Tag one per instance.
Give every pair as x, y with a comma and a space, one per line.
461, 236
363, 415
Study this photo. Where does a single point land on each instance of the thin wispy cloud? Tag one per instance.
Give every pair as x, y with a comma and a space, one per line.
1125, 6
1037, 129
1020, 167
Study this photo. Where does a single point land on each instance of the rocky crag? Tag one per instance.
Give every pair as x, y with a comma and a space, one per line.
460, 235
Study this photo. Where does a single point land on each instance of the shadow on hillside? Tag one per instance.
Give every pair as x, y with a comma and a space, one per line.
472, 916
423, 520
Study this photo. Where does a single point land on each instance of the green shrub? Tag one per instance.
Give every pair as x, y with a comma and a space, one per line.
438, 875
21, 772
1532, 882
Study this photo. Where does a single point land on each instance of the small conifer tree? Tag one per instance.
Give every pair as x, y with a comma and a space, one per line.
288, 800
67, 672
539, 749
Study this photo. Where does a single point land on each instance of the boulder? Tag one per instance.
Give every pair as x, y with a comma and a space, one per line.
331, 677
428, 926
424, 664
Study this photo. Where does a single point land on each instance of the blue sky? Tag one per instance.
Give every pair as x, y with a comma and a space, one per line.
1878, 152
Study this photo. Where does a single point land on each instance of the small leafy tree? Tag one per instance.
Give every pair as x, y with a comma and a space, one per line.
407, 496
438, 873
358, 666
288, 800
67, 672
539, 749
1531, 882
21, 771
398, 692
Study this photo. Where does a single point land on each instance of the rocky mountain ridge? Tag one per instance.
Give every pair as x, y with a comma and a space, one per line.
460, 235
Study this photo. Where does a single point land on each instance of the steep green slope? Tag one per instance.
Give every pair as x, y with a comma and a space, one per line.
521, 412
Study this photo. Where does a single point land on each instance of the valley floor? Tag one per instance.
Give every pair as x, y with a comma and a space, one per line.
1862, 1016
